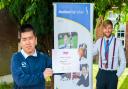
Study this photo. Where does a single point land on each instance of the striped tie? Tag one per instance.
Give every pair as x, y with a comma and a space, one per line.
106, 53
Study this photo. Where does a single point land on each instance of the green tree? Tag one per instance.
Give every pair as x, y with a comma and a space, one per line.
40, 14
36, 12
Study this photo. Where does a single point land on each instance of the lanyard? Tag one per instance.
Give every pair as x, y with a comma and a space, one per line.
106, 49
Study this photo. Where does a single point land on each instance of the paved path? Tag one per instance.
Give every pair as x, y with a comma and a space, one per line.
6, 78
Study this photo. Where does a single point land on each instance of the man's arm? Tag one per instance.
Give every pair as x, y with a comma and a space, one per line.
122, 60
20, 77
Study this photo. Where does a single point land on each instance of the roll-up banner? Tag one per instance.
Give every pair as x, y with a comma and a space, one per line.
73, 29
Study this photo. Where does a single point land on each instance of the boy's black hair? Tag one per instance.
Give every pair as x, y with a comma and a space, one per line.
26, 28
84, 65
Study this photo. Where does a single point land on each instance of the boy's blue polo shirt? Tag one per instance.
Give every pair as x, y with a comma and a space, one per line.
28, 73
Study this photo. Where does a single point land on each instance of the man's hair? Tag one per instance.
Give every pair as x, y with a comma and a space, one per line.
26, 28
107, 22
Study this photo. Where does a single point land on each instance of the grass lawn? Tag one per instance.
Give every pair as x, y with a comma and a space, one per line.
122, 82
6, 86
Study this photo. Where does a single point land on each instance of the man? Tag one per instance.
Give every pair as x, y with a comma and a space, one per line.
112, 61
29, 67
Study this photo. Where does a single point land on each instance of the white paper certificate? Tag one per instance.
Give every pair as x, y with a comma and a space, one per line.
65, 60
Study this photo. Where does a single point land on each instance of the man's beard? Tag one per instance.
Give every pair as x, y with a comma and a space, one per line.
107, 36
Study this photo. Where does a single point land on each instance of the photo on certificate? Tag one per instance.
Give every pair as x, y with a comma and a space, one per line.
67, 40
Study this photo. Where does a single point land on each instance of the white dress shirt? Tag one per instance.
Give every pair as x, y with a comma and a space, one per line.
119, 63
26, 55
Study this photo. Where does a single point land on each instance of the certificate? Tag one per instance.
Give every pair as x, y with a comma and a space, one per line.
65, 60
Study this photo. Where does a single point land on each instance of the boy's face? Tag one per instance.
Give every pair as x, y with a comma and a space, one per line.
107, 31
84, 71
28, 42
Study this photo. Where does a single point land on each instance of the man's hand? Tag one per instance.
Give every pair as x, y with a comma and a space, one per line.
47, 73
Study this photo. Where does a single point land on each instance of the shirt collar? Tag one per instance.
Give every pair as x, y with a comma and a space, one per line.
108, 38
26, 55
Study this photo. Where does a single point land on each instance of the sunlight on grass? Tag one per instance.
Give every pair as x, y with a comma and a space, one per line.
4, 85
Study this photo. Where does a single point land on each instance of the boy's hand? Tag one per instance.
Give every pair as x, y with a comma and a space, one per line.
47, 73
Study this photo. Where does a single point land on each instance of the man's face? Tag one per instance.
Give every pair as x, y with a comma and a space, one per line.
107, 31
28, 42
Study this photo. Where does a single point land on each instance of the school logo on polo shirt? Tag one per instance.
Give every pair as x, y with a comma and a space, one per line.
23, 64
